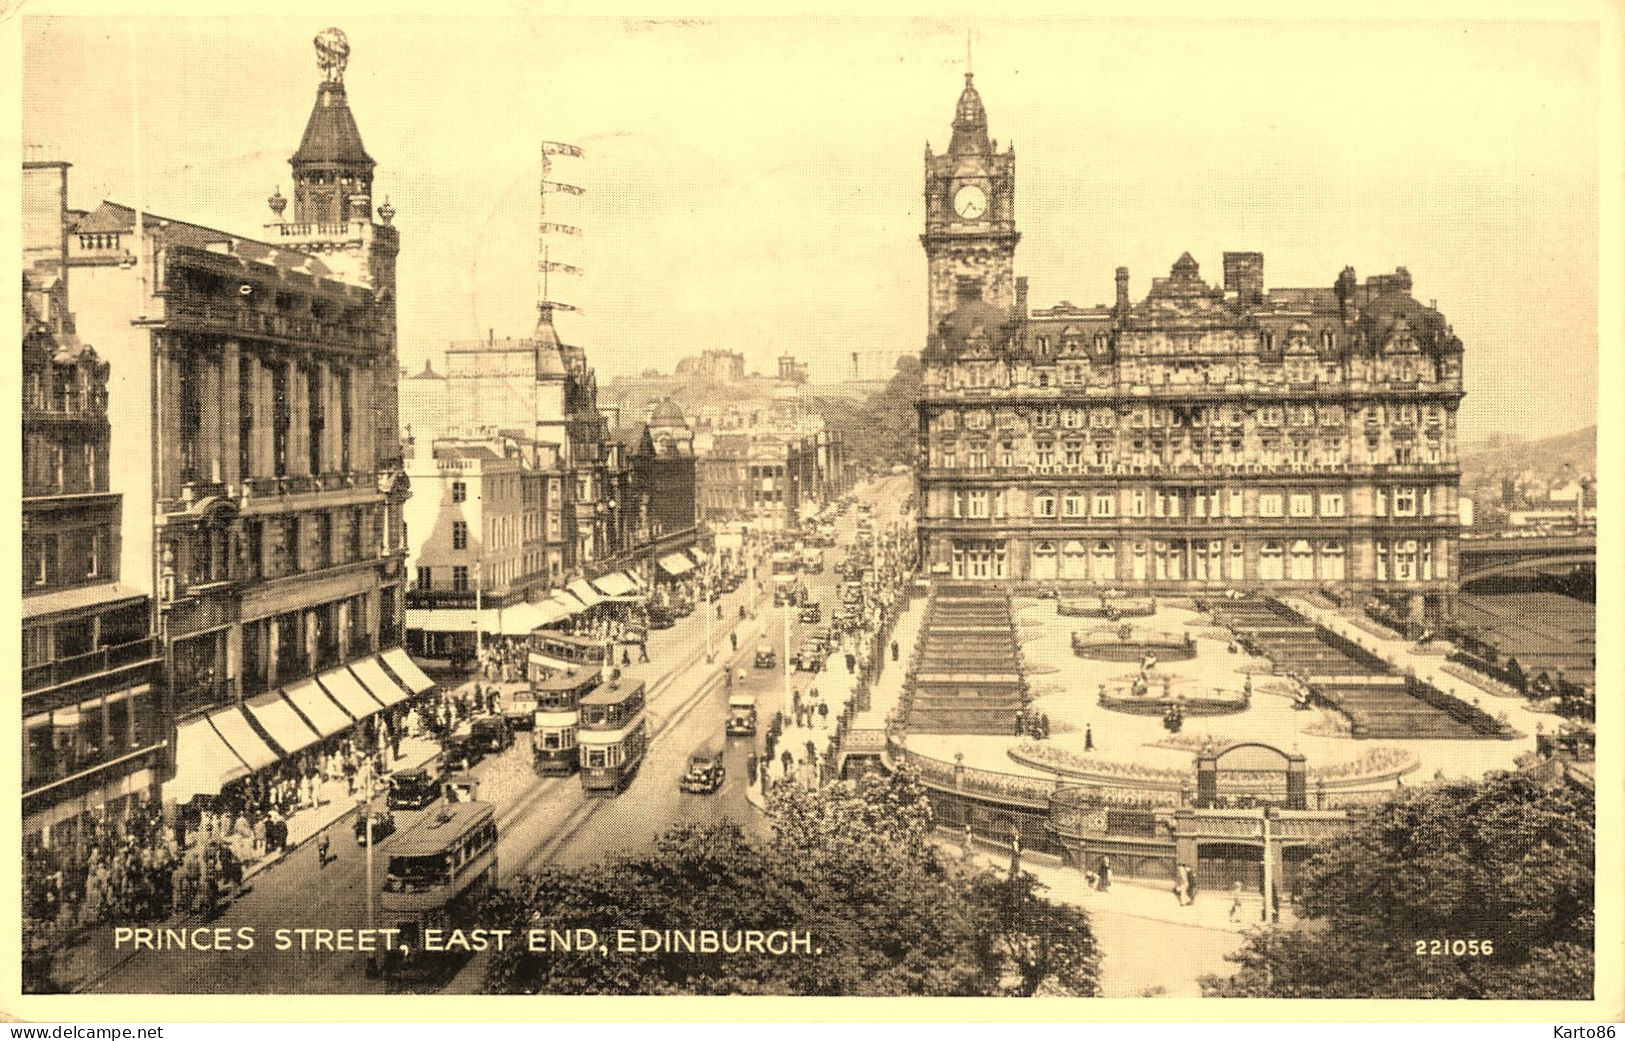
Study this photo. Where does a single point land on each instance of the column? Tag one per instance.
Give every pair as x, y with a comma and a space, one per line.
363, 452
299, 422
167, 423
261, 458
230, 403
209, 437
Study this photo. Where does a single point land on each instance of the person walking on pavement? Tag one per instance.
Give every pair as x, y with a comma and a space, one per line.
322, 845
894, 650
1235, 902
733, 640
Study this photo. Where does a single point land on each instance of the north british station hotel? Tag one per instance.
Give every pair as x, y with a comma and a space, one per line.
1200, 436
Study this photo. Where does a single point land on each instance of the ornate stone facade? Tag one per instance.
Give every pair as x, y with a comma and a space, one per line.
1204, 436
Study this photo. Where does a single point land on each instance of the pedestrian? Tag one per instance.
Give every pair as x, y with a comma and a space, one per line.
643, 649
321, 850
1104, 870
894, 650
1235, 902
1088, 738
823, 714
733, 641
626, 658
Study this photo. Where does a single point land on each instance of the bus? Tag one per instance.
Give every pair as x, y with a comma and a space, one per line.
559, 652
558, 712
439, 872
612, 737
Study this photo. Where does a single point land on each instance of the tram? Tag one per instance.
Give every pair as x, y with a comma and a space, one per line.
613, 737
557, 696
440, 870
559, 652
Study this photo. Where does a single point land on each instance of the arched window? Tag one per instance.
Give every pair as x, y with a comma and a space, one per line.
1303, 561
1270, 562
1331, 561
1044, 561
1105, 562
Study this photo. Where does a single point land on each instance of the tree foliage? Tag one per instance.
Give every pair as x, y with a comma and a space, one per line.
1508, 861
849, 864
882, 430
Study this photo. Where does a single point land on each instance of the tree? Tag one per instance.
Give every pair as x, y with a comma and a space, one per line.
849, 864
1508, 861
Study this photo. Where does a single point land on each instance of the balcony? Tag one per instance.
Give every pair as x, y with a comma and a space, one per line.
292, 329
102, 660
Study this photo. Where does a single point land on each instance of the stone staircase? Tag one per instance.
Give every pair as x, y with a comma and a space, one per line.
965, 674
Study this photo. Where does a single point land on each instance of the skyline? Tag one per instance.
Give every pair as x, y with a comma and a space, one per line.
806, 199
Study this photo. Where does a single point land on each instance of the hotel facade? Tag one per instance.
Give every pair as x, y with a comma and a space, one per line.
1202, 436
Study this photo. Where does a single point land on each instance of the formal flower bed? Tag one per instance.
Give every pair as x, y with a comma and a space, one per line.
1372, 766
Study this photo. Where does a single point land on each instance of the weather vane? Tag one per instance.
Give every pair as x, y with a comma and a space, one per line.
332, 53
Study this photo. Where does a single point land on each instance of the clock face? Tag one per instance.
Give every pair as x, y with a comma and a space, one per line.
970, 202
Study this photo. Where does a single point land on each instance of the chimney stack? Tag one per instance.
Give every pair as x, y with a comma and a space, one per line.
1244, 276
1122, 289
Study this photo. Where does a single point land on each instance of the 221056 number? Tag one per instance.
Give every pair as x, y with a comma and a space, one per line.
1455, 948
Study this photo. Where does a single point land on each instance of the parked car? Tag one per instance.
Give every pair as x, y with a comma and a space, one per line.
705, 774
383, 826
460, 751
413, 789
659, 618
765, 656
810, 657
811, 612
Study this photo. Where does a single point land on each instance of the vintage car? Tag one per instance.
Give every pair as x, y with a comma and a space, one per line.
810, 656
460, 750
704, 776
765, 658
659, 617
811, 612
383, 826
491, 733
413, 789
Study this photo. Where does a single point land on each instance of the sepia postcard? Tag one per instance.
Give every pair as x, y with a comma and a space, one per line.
1066, 504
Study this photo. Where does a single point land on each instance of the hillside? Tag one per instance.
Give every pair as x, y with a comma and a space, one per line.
1512, 474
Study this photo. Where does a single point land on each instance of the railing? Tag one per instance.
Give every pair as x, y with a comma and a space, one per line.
103, 659
265, 323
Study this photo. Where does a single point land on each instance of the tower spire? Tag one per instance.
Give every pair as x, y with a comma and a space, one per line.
969, 72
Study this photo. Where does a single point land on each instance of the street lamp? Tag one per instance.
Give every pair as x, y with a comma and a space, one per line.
364, 801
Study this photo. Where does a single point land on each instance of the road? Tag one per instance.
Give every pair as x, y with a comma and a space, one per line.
542, 820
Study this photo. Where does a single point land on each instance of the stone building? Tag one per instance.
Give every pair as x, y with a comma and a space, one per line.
92, 697
257, 440
1201, 436
542, 389
663, 474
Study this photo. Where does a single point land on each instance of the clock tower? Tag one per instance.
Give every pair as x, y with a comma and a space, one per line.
970, 216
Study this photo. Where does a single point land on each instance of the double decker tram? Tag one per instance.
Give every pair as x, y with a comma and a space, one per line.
557, 696
613, 736
560, 652
440, 870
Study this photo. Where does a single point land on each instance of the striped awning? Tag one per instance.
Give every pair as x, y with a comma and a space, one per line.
377, 682
348, 691
203, 761
278, 719
406, 670
314, 704
585, 592
234, 727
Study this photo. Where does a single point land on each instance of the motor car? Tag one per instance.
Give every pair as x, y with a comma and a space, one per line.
811, 612
810, 657
459, 750
658, 617
491, 733
383, 826
765, 658
704, 775
413, 789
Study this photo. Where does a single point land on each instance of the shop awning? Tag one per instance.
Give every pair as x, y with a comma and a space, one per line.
348, 691
232, 725
675, 564
317, 707
203, 761
377, 683
549, 612
616, 583
586, 593
406, 670
278, 718
517, 620
567, 603
440, 620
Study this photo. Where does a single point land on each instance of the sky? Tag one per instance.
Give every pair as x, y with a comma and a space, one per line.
755, 184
